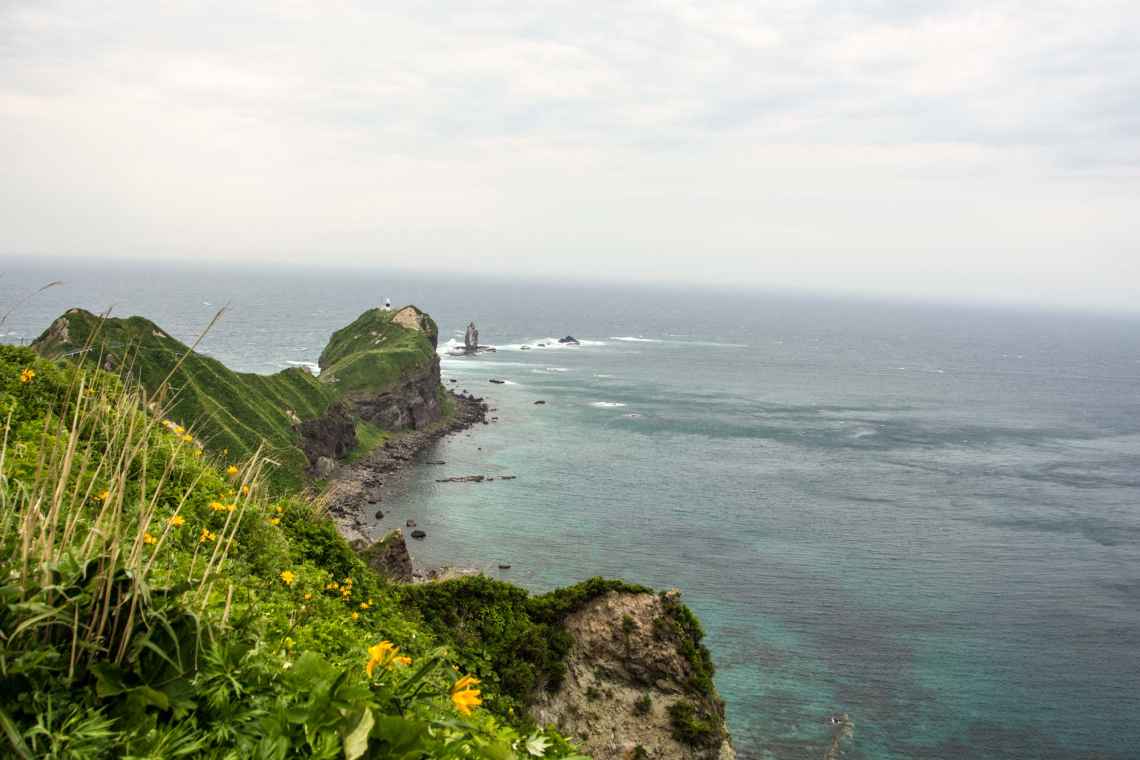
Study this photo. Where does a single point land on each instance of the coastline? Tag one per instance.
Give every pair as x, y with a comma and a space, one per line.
348, 495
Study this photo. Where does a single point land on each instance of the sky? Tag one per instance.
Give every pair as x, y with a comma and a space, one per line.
965, 150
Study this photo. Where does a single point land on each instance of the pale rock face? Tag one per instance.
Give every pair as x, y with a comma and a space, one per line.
471, 340
612, 665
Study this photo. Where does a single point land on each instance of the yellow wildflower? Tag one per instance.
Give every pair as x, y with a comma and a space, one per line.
466, 700
232, 470
217, 506
465, 683
149, 539
275, 521
346, 591
335, 584
288, 577
177, 520
103, 496
510, 709
279, 510
187, 437
455, 667
308, 596
356, 616
206, 536
89, 391
197, 452
245, 489
225, 451
27, 375
179, 430
232, 492
348, 580
402, 660
381, 654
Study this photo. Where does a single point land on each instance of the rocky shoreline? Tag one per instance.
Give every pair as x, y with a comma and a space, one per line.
349, 493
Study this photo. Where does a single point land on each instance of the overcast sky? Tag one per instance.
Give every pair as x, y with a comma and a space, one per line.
983, 150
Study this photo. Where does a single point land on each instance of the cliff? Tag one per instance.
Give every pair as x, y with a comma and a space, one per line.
637, 682
382, 375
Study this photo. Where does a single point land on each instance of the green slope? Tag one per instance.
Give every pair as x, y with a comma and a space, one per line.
380, 349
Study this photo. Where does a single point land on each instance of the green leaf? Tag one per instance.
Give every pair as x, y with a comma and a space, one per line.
112, 679
354, 735
537, 744
398, 735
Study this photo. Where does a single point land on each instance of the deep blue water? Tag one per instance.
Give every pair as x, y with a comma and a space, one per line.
927, 517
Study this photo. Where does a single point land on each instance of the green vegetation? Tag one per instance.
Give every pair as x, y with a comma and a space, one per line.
235, 412
690, 727
368, 437
643, 705
377, 350
158, 603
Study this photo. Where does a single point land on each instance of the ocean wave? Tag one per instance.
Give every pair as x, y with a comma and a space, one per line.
631, 339
557, 369
313, 366
605, 404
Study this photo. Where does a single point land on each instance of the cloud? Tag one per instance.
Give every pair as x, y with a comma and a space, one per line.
769, 142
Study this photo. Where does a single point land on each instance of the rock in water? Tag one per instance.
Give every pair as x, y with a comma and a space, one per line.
504, 566
540, 402
388, 556
570, 341
411, 523
418, 534
379, 515
471, 340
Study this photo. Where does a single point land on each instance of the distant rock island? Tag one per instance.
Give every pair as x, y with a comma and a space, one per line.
471, 344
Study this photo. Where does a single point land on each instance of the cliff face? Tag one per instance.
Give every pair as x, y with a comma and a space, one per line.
414, 403
636, 684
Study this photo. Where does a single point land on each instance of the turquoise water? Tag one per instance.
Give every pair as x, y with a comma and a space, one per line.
923, 516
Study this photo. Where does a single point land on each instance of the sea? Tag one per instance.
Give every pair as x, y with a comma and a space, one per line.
923, 516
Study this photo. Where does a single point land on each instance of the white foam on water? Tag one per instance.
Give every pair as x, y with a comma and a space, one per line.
605, 404
636, 340
603, 375
557, 369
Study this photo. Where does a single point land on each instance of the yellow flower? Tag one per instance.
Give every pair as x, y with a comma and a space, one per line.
335, 584
465, 683
197, 452
103, 496
206, 536
27, 375
232, 470
89, 391
187, 437
402, 660
346, 591
180, 430
363, 606
355, 615
149, 539
225, 451
510, 709
274, 521
466, 700
381, 654
177, 520
308, 596
245, 489
455, 667
217, 506
279, 510
232, 492
288, 577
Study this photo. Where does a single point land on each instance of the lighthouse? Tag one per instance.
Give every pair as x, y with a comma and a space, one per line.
387, 304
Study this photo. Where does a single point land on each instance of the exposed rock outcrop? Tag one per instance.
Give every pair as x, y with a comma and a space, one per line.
637, 677
388, 556
332, 436
570, 341
471, 340
412, 404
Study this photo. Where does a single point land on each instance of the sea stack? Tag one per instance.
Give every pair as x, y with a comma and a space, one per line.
471, 341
